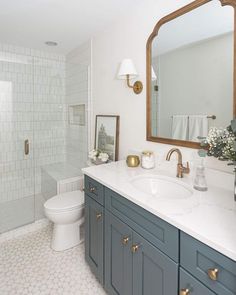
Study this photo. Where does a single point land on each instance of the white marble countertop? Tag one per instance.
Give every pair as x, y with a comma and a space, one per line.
207, 216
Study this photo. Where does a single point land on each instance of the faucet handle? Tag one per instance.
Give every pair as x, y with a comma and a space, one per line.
186, 170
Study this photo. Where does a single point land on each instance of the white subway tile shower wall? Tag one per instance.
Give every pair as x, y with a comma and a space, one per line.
77, 92
49, 115
32, 106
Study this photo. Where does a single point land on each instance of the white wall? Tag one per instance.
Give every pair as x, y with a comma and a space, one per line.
111, 96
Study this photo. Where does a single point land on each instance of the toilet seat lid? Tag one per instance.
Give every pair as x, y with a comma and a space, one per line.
65, 201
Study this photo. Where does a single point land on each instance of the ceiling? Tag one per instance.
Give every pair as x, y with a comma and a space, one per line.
30, 23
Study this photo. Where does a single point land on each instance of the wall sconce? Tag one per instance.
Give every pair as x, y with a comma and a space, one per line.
127, 71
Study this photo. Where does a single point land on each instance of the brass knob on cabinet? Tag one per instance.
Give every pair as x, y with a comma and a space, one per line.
184, 292
125, 240
213, 273
92, 189
98, 216
134, 248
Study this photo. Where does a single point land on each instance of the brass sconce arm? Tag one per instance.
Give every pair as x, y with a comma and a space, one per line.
137, 87
128, 82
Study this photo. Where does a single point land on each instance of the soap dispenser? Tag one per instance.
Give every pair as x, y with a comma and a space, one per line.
200, 183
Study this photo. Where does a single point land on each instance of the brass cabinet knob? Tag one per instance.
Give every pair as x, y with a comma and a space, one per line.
213, 273
135, 248
98, 216
125, 240
92, 189
184, 292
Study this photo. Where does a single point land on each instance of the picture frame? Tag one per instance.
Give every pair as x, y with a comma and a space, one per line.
107, 135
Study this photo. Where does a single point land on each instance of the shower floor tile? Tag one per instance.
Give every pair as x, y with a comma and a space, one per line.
28, 266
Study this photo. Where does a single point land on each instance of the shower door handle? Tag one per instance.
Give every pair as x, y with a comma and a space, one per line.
26, 147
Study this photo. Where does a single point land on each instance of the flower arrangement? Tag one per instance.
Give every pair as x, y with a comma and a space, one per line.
98, 157
222, 143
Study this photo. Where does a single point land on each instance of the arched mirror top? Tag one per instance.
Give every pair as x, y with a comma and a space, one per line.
191, 83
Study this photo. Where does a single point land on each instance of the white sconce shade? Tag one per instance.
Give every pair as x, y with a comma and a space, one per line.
154, 77
128, 71
127, 68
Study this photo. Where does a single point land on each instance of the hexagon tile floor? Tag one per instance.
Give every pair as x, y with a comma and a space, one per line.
28, 266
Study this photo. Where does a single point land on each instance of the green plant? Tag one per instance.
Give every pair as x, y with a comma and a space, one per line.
222, 143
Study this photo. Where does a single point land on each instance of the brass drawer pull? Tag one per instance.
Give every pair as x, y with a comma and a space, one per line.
98, 216
213, 273
135, 248
92, 190
125, 240
184, 292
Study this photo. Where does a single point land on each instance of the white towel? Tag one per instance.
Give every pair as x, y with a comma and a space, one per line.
198, 126
180, 127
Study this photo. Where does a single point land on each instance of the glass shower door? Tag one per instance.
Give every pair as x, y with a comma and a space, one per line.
17, 184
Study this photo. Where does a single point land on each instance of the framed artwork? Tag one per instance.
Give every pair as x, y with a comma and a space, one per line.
107, 135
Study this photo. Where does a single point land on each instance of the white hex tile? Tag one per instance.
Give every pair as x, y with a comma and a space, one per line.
28, 266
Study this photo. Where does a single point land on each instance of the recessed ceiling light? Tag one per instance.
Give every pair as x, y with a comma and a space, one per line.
51, 43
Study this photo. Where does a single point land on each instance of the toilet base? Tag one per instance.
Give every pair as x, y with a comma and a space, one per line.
66, 236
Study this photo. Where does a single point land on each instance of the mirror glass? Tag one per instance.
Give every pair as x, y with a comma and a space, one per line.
192, 73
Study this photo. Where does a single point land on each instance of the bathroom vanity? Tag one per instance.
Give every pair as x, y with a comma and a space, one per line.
142, 243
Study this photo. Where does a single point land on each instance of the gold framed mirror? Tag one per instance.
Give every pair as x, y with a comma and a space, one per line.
191, 76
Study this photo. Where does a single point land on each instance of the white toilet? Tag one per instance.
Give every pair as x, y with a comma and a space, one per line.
66, 211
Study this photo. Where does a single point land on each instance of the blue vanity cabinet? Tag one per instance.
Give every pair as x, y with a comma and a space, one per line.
118, 259
153, 271
134, 252
94, 237
210, 267
94, 189
188, 285
158, 232
133, 265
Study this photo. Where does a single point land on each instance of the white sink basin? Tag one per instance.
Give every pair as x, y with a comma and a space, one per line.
162, 186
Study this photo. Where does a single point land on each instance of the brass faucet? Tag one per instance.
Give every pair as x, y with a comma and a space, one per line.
180, 167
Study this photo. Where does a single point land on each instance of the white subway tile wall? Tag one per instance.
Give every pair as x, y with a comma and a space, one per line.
50, 114
34, 106
77, 92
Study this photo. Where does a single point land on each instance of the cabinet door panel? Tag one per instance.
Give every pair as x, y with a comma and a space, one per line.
153, 271
198, 259
187, 282
118, 259
158, 232
94, 221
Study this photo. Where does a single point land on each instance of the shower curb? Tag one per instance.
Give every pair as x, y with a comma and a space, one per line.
23, 230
